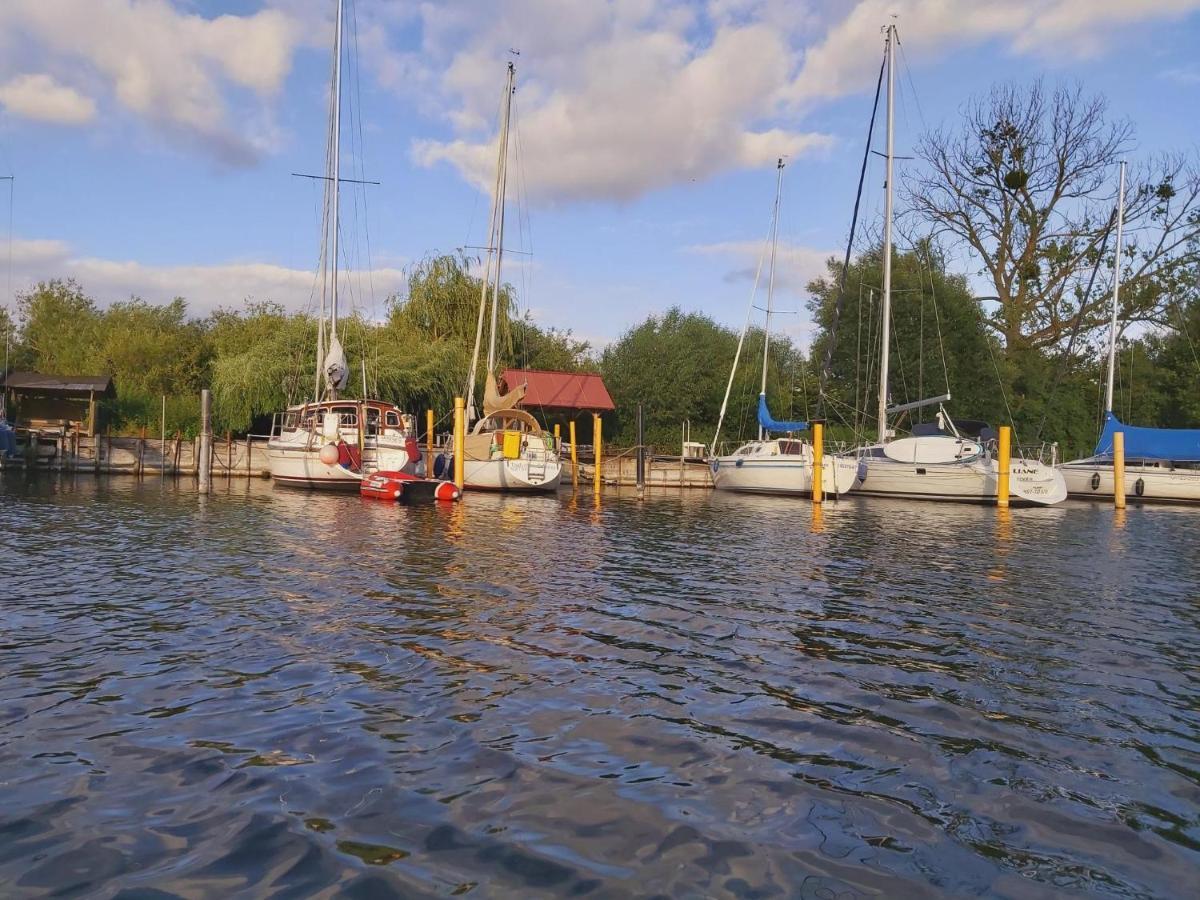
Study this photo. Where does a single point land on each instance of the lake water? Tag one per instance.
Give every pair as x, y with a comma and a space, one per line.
273, 693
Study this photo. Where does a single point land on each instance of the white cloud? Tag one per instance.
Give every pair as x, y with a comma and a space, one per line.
43, 98
795, 266
614, 99
205, 287
1054, 30
188, 76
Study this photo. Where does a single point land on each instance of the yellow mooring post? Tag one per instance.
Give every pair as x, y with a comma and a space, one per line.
574, 456
818, 477
429, 433
460, 442
598, 442
1119, 469
557, 437
1004, 464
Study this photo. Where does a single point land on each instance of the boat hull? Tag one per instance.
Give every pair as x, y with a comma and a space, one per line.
969, 481
526, 475
780, 475
1158, 481
302, 467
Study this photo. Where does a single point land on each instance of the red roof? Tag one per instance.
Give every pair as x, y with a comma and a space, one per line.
560, 390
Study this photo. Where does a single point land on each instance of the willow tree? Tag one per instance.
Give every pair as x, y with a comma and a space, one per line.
1028, 183
442, 303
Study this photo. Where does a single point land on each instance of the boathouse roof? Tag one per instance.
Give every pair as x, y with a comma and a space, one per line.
36, 383
576, 391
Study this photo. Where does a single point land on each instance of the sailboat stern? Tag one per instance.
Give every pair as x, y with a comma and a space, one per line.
1036, 483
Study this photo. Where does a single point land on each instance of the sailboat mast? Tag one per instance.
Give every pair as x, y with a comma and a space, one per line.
1112, 330
771, 281
885, 330
336, 172
500, 204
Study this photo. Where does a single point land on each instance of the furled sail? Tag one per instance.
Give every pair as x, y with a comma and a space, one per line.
337, 371
769, 424
1179, 444
494, 401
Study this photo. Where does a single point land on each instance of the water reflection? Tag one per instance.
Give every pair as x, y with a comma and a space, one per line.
702, 694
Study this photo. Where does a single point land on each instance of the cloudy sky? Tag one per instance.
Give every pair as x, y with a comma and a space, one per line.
153, 141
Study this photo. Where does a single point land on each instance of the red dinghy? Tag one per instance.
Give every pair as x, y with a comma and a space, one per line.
400, 487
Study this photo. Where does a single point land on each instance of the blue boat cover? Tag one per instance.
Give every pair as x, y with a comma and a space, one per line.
1180, 444
769, 424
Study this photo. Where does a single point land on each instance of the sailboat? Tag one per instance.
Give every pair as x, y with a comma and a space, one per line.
332, 441
940, 461
1160, 463
506, 448
773, 465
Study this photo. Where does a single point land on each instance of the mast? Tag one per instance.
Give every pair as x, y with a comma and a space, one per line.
885, 330
336, 174
1112, 331
503, 180
771, 282
498, 189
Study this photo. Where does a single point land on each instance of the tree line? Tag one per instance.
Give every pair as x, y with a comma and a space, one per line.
1016, 203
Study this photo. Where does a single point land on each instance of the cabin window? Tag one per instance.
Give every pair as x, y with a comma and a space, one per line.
393, 419
347, 415
290, 421
791, 448
372, 420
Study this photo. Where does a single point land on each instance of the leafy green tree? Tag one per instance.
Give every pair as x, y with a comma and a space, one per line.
677, 366
59, 328
939, 343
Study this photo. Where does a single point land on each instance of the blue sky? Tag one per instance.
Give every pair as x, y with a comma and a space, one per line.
153, 141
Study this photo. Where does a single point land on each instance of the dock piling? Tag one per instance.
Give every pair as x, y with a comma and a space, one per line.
429, 436
598, 441
204, 463
460, 442
641, 456
574, 457
1004, 465
1119, 469
818, 477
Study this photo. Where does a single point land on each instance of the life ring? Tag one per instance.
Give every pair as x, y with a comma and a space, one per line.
1139, 486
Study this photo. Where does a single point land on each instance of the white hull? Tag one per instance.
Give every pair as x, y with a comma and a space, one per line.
1158, 481
522, 474
302, 467
781, 475
970, 481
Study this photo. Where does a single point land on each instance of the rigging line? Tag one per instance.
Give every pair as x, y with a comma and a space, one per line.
837, 308
938, 322
362, 171
1077, 327
1183, 327
899, 356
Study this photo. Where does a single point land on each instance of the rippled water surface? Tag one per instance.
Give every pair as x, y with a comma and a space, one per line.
272, 693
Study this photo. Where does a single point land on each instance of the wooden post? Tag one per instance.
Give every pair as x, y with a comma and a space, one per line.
641, 456
818, 475
204, 462
141, 456
1005, 466
429, 436
460, 442
249, 470
598, 443
175, 455
229, 451
574, 456
1119, 469
95, 452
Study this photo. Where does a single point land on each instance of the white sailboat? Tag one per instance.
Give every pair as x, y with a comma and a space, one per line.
774, 465
332, 441
506, 449
1160, 463
944, 464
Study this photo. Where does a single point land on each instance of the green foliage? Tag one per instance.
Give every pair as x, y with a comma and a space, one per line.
549, 348
938, 338
59, 328
677, 365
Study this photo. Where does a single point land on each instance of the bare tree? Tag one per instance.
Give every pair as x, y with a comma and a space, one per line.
1029, 185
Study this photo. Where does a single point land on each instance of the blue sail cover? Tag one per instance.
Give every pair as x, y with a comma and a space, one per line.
1179, 444
769, 424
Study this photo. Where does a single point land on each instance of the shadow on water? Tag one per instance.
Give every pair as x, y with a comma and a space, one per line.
271, 691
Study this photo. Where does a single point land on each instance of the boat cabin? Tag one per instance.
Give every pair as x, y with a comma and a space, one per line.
344, 415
